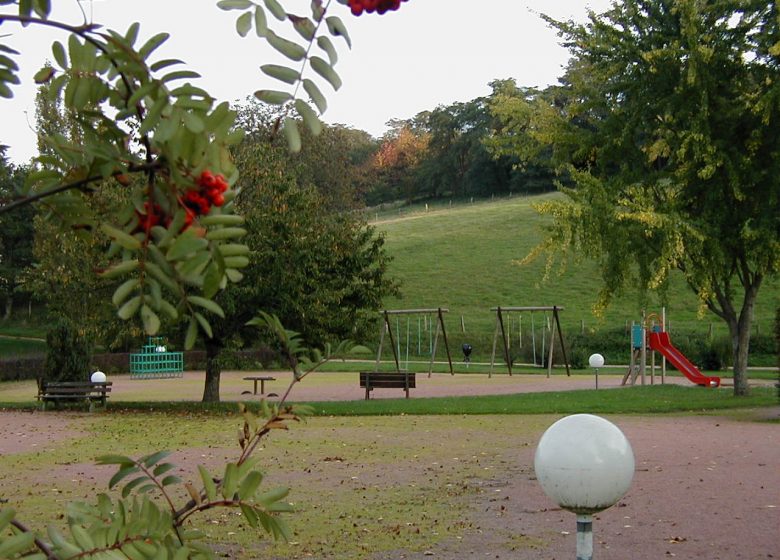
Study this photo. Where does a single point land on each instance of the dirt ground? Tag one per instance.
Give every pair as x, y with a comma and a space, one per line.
705, 487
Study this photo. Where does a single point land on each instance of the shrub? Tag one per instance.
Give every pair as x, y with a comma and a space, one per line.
69, 353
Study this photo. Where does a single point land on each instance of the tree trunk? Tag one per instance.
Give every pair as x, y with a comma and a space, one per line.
740, 342
213, 370
9, 307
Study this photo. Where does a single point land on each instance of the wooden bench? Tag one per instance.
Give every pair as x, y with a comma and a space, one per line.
371, 380
73, 391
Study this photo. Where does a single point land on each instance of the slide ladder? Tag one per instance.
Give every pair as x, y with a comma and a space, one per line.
659, 341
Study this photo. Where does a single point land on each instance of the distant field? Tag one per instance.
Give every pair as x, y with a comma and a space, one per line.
464, 257
14, 347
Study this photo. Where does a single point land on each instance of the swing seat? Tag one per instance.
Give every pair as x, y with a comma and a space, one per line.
370, 380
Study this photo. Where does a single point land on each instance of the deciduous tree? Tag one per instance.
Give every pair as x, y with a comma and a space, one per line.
16, 233
671, 125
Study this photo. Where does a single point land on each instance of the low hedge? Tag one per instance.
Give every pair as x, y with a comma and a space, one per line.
32, 367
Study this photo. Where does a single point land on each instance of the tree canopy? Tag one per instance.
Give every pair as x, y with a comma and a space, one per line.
668, 122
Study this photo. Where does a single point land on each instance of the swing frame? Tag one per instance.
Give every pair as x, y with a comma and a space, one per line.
501, 311
387, 327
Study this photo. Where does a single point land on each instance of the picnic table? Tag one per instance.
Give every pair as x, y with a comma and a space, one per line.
262, 379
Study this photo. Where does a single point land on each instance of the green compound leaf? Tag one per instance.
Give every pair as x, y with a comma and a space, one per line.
11, 546
304, 26
292, 135
282, 73
291, 50
59, 54
208, 483
44, 75
309, 116
276, 9
261, 23
338, 29
249, 485
316, 95
126, 240
234, 4
121, 268
150, 320
204, 325
325, 70
154, 458
225, 233
207, 304
130, 308
186, 245
152, 44
124, 290
192, 334
273, 97
222, 220
123, 472
244, 24
114, 460
327, 45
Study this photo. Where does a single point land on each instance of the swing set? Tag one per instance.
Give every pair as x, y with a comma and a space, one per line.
503, 313
425, 318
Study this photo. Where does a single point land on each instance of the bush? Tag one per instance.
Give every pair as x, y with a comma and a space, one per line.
68, 355
19, 369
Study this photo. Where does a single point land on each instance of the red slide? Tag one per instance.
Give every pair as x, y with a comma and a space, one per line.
659, 341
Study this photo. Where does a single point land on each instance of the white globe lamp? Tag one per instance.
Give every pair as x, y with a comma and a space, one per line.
596, 361
586, 465
98, 377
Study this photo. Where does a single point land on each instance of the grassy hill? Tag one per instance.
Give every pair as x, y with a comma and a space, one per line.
464, 257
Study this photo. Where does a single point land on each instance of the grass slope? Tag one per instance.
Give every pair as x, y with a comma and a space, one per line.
464, 258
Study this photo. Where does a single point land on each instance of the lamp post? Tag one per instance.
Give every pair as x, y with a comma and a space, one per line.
586, 465
98, 377
596, 361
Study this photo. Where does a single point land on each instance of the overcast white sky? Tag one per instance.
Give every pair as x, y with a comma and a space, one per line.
428, 53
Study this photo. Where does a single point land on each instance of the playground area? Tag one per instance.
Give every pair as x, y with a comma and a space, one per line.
334, 386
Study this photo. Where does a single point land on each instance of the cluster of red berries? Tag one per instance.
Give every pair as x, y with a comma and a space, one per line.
211, 193
371, 6
196, 202
150, 217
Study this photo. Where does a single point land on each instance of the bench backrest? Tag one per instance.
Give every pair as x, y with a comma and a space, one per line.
392, 379
74, 387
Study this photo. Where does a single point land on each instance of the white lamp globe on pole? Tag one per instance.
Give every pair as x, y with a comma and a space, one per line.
596, 361
586, 465
98, 377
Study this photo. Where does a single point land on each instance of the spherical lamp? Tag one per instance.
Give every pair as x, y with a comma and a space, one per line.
586, 465
596, 361
98, 377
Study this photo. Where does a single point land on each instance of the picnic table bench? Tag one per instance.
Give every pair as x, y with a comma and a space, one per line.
262, 379
73, 391
371, 380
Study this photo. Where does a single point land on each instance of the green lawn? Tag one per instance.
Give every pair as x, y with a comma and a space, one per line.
635, 400
15, 347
